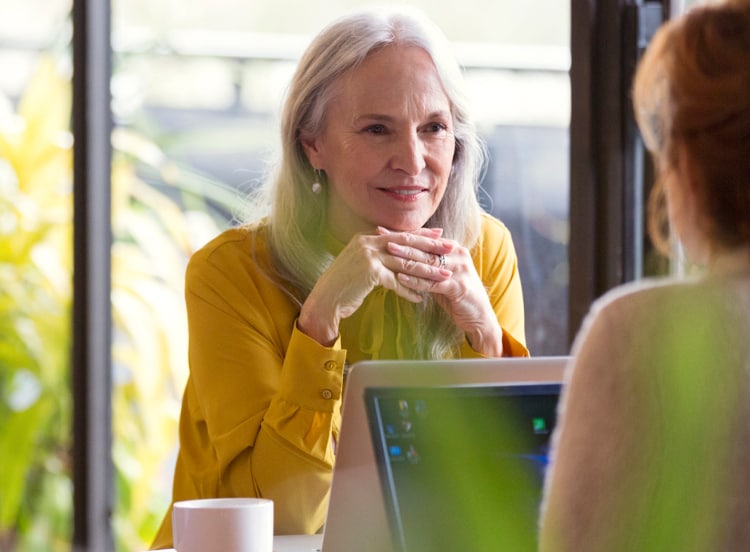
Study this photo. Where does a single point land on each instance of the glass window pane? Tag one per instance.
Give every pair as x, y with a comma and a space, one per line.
35, 276
196, 97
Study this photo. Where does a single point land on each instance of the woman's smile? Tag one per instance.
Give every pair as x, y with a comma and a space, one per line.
405, 193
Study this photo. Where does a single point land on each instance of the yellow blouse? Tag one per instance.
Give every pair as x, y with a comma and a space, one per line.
261, 407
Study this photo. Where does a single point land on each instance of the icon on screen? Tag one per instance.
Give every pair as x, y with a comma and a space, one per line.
412, 455
403, 408
540, 426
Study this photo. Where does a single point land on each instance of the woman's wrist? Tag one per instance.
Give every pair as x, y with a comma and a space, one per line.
315, 326
488, 343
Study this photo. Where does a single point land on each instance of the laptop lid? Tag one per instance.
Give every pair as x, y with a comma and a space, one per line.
462, 466
356, 517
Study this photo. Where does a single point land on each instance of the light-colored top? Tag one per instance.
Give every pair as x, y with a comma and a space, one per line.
261, 409
652, 446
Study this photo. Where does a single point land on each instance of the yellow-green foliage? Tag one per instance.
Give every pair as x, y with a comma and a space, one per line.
151, 244
35, 298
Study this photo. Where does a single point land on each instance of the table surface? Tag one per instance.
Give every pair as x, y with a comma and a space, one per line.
297, 543
291, 543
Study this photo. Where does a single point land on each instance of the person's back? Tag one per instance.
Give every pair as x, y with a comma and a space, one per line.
657, 423
653, 436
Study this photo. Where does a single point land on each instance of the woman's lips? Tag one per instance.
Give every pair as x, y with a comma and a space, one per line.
409, 193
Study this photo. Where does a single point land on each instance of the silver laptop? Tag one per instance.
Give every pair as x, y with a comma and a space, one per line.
357, 516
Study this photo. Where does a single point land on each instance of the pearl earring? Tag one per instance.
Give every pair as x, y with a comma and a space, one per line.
317, 187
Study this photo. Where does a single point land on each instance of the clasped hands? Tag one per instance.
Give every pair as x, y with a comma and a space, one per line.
408, 263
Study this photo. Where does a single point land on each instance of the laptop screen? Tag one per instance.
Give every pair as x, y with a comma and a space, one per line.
462, 467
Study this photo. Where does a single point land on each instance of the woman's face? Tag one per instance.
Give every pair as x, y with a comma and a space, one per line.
387, 144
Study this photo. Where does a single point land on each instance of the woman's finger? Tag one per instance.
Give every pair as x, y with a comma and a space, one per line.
413, 254
427, 232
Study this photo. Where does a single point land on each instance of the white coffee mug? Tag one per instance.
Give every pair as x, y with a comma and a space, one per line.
223, 525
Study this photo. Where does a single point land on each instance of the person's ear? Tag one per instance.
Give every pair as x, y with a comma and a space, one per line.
314, 152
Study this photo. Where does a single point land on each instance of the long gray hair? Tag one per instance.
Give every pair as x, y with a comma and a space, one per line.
297, 217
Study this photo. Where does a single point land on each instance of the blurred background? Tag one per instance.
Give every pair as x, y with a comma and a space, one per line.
196, 91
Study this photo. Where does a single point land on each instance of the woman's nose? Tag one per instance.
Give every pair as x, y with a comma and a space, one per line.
409, 155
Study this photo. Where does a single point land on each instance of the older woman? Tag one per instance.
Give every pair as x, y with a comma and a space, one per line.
372, 245
653, 440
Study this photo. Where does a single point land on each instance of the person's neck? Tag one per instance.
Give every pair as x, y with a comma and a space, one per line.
730, 261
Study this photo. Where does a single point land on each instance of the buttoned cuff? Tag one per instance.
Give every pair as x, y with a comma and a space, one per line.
312, 376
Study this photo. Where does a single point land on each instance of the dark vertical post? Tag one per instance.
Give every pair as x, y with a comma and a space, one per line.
583, 192
91, 354
596, 153
606, 168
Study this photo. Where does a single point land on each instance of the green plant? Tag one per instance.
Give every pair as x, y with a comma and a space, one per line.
153, 236
35, 294
152, 242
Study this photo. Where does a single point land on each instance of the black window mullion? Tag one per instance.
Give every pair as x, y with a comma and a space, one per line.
608, 169
91, 342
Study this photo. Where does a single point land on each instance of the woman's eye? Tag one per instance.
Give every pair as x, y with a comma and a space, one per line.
375, 129
436, 127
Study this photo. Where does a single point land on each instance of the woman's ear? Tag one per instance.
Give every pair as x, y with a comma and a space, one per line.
314, 153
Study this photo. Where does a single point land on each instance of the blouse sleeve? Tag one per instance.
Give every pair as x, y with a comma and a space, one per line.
263, 397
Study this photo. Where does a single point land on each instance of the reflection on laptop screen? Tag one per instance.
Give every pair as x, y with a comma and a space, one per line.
462, 467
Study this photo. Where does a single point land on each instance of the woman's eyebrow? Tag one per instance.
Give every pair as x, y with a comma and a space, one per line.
382, 117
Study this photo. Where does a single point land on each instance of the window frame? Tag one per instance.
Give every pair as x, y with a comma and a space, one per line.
92, 327
609, 169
